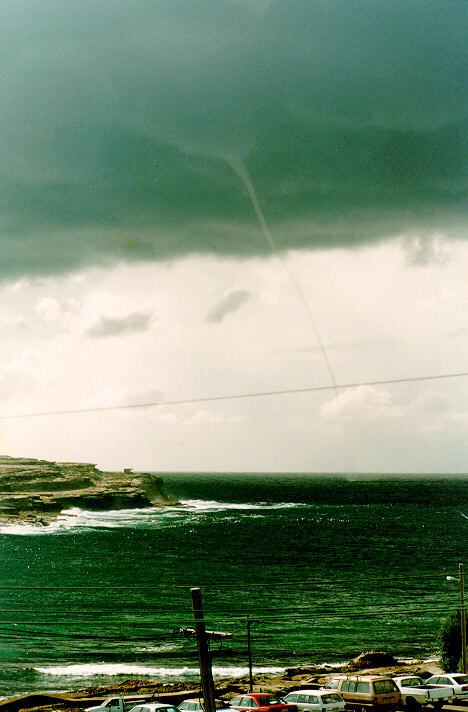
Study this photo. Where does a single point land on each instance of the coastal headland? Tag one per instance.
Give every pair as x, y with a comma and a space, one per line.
36, 491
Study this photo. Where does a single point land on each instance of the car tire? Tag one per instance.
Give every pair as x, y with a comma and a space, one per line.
438, 704
413, 705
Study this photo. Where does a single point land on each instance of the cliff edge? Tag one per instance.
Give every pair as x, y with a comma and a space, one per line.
38, 490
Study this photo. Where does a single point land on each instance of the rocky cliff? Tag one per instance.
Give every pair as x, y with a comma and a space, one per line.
37, 490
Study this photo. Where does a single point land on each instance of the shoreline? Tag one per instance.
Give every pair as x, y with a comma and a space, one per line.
292, 678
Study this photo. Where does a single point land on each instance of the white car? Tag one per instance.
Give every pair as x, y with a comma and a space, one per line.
458, 681
196, 705
154, 707
316, 700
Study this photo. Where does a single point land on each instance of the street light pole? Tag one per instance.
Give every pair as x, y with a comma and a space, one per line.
461, 579
249, 651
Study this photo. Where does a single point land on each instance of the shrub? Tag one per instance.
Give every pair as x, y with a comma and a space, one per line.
449, 642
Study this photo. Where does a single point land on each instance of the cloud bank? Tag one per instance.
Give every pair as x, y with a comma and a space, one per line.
119, 123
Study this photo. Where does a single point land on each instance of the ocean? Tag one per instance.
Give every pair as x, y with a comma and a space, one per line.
324, 567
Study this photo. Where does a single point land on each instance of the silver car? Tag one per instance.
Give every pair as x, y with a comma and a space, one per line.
316, 700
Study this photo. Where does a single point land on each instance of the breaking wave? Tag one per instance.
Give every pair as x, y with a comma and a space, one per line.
202, 505
75, 517
116, 669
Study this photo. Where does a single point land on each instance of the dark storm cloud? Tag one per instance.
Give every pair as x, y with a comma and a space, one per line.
120, 123
114, 326
230, 303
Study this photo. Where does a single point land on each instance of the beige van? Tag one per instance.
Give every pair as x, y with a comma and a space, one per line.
375, 692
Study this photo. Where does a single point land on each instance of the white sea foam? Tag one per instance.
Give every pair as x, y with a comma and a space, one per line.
115, 669
80, 518
156, 648
203, 505
130, 518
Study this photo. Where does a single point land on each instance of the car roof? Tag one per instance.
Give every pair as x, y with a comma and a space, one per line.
371, 678
200, 699
447, 674
403, 677
317, 691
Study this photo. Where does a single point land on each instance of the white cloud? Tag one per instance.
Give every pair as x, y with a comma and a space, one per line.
458, 421
361, 403
424, 249
57, 313
49, 309
19, 285
392, 319
17, 376
204, 417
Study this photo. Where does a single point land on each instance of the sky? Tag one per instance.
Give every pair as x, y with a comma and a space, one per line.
212, 199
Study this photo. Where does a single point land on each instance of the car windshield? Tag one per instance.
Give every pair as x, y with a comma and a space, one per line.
331, 697
269, 700
384, 686
460, 679
412, 681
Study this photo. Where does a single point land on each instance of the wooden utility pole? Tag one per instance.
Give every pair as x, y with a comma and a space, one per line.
204, 656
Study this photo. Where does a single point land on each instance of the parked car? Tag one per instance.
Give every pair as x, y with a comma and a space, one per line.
117, 704
416, 693
376, 692
457, 681
316, 700
196, 704
154, 707
261, 702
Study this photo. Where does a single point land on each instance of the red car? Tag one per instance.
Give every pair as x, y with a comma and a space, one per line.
261, 702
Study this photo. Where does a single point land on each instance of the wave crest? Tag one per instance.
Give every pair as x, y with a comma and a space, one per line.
117, 669
75, 517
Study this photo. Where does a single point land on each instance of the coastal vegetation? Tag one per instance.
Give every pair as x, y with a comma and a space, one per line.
449, 642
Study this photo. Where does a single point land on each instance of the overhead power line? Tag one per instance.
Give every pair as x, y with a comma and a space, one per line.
219, 583
233, 396
238, 611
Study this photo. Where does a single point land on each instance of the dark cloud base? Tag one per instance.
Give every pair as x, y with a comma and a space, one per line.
118, 127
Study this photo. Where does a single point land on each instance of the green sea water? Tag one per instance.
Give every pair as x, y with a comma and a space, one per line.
325, 567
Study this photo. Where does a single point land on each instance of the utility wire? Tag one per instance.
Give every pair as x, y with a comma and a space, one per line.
216, 584
360, 611
234, 396
243, 611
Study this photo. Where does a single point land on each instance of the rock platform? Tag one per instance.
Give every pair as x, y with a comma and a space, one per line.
37, 490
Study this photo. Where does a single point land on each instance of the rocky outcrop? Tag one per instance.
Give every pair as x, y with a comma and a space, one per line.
372, 659
39, 489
